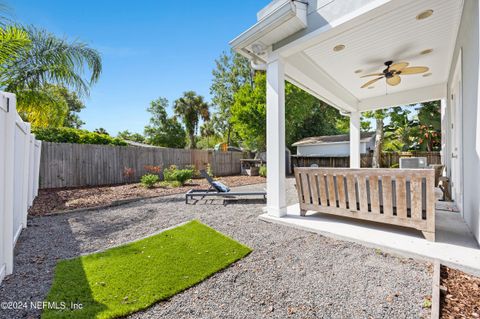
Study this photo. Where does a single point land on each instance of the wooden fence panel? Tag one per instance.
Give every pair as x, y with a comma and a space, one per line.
77, 165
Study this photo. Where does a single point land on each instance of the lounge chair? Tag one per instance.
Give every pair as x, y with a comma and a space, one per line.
219, 190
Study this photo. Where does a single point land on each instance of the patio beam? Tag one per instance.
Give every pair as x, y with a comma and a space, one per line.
306, 74
355, 140
425, 94
276, 176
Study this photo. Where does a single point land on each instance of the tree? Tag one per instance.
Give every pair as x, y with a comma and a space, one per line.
230, 74
75, 106
379, 116
249, 113
51, 60
343, 124
163, 130
304, 114
307, 116
191, 108
42, 74
13, 41
134, 137
46, 110
209, 136
430, 126
101, 130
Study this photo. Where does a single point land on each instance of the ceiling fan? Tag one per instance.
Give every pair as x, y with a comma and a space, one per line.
393, 71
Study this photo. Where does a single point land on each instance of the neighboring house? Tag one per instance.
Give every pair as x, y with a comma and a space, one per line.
363, 55
333, 145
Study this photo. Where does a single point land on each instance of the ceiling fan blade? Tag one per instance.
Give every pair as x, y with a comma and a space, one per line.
415, 70
399, 66
374, 74
371, 82
394, 80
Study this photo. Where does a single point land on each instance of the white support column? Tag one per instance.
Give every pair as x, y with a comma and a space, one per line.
276, 194
444, 130
355, 140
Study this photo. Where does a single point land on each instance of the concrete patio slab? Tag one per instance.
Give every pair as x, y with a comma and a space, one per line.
455, 245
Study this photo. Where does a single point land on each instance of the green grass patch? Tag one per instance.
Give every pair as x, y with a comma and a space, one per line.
126, 279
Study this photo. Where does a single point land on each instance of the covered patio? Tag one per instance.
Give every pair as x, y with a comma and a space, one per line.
365, 55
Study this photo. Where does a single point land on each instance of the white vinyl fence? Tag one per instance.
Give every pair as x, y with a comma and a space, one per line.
19, 173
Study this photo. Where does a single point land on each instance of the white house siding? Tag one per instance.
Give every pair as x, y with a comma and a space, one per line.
334, 149
468, 43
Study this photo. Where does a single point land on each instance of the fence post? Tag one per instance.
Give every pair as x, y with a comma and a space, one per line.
26, 175
31, 166
36, 169
9, 181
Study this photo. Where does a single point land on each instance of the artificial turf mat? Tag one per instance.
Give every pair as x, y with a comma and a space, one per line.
132, 277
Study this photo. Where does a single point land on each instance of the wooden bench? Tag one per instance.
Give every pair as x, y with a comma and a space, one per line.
402, 197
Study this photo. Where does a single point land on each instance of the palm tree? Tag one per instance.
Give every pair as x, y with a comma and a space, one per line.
191, 108
51, 60
101, 130
12, 41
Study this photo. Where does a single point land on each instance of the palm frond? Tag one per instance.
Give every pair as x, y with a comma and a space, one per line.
12, 41
53, 60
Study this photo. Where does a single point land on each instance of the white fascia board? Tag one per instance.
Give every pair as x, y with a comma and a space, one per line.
271, 21
419, 95
306, 74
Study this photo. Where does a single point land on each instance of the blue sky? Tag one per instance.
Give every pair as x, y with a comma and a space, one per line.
149, 48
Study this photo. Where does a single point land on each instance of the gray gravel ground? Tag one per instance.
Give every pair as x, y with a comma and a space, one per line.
290, 273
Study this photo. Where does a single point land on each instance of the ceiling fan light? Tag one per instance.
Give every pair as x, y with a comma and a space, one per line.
339, 47
425, 14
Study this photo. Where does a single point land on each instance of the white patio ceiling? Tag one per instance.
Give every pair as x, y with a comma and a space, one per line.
389, 32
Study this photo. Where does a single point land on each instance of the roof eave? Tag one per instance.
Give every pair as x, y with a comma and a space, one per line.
283, 14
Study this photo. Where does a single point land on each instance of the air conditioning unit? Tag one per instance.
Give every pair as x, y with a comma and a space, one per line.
413, 162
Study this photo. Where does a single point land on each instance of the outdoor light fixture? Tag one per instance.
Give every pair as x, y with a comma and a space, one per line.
258, 49
338, 48
425, 14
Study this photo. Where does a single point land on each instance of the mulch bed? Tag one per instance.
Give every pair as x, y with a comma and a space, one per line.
460, 294
55, 200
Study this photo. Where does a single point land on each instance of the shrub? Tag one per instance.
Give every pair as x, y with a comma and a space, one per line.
153, 169
75, 136
149, 180
262, 171
173, 184
172, 174
195, 171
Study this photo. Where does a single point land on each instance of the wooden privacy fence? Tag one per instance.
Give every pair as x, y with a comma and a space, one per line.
19, 169
402, 197
389, 159
77, 165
